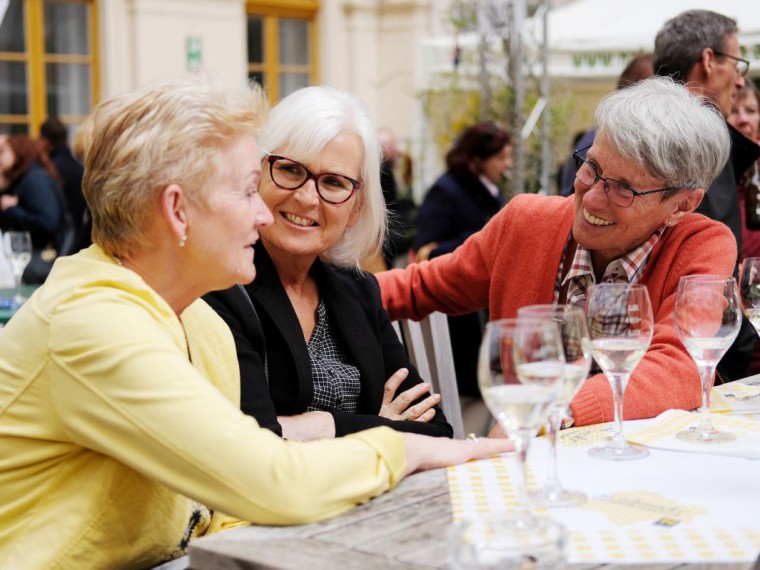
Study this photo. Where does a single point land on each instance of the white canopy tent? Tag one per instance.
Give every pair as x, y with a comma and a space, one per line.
596, 38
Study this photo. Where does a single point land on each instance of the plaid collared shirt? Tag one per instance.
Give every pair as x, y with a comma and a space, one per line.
625, 269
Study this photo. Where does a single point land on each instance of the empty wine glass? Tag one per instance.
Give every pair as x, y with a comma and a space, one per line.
519, 406
620, 326
707, 319
575, 343
18, 249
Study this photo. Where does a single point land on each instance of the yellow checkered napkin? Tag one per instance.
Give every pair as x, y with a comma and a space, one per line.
735, 398
484, 487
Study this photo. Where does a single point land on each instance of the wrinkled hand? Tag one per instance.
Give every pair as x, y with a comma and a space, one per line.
398, 407
425, 452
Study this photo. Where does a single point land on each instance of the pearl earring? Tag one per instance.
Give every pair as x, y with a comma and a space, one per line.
183, 240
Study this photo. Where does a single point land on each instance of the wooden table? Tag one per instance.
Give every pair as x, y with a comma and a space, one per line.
404, 529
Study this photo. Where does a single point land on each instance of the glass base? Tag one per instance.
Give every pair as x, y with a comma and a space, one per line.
697, 435
556, 496
494, 542
619, 452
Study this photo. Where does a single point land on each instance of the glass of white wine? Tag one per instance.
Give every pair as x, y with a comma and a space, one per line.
749, 290
707, 320
571, 322
18, 249
518, 384
620, 325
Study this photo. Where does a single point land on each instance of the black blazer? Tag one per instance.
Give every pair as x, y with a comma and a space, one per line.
275, 370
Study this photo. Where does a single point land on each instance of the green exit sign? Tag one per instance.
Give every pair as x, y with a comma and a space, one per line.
194, 53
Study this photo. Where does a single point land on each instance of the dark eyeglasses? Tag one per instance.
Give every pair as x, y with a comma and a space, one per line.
619, 193
742, 65
291, 175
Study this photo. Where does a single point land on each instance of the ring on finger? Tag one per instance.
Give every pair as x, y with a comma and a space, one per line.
403, 415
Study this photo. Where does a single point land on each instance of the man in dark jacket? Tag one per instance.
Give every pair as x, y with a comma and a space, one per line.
701, 49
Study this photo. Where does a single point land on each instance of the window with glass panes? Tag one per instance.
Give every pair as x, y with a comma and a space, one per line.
48, 51
282, 45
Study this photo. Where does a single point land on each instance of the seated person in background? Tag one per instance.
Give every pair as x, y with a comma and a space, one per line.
657, 148
31, 200
54, 136
318, 355
121, 436
458, 204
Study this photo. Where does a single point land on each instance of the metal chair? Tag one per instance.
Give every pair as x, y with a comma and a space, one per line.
429, 348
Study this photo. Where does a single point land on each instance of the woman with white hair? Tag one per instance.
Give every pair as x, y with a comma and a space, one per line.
631, 220
318, 355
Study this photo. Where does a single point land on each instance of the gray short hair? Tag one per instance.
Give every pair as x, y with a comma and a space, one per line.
679, 43
674, 135
300, 125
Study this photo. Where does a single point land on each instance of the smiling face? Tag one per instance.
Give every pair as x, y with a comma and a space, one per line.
610, 230
224, 223
495, 165
305, 226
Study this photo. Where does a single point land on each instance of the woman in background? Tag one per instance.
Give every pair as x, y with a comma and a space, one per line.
457, 205
318, 355
31, 200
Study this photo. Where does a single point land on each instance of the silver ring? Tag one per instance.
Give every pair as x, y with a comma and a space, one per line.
403, 415
472, 437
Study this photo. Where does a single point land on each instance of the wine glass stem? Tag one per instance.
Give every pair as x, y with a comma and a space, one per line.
619, 381
17, 290
521, 493
552, 428
707, 375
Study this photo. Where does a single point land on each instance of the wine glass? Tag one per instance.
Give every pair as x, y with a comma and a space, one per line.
491, 543
707, 319
620, 326
575, 343
18, 249
749, 289
518, 405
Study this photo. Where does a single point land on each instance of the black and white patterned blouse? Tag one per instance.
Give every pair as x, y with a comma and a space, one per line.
336, 383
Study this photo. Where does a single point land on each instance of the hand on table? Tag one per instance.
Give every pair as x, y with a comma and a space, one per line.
398, 407
424, 452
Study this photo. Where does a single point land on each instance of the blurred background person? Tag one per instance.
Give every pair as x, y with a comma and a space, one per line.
457, 205
638, 69
318, 355
31, 200
700, 49
54, 136
745, 117
399, 206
